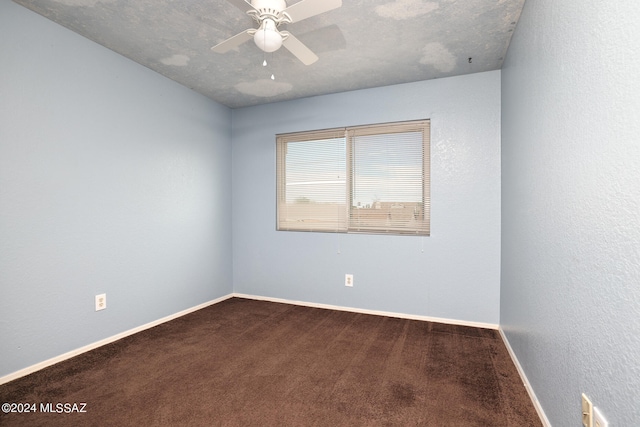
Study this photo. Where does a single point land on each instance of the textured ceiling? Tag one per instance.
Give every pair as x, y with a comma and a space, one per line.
364, 43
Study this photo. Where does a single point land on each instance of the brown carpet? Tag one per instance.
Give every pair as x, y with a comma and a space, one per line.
255, 363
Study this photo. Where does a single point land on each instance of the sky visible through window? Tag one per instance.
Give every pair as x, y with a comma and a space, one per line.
383, 171
317, 171
387, 171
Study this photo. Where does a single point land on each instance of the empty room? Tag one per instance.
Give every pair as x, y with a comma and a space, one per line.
391, 212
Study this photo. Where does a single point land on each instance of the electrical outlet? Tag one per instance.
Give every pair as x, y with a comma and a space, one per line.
598, 419
348, 280
101, 302
587, 411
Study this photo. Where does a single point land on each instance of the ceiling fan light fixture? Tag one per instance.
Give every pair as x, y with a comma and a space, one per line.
268, 37
270, 14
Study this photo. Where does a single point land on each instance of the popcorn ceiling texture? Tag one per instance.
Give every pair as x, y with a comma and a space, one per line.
570, 295
362, 44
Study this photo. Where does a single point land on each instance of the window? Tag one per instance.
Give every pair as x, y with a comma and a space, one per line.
365, 179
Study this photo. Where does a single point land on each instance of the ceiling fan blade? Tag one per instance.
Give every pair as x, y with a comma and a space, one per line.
234, 41
298, 49
325, 39
241, 4
307, 8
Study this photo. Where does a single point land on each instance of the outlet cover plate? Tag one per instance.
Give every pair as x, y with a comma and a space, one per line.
348, 280
101, 302
587, 411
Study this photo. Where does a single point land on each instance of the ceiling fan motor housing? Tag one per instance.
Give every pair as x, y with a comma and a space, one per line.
271, 7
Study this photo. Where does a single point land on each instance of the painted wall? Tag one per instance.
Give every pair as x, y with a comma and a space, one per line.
112, 179
452, 274
570, 296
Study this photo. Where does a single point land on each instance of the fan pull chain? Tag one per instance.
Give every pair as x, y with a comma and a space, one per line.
273, 77
264, 64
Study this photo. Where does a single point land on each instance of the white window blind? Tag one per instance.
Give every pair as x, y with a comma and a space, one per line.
365, 179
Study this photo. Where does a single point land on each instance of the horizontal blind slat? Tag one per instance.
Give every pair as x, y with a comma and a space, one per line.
311, 179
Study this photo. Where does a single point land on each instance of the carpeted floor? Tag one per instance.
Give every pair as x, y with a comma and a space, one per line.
253, 363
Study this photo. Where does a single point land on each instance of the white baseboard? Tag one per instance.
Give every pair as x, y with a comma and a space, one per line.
374, 312
33, 368
527, 385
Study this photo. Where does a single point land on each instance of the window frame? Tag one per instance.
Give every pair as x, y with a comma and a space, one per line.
423, 222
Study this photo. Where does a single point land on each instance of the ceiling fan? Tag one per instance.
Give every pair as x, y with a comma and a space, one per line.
270, 14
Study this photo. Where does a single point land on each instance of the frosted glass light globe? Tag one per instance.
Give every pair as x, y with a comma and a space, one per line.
267, 37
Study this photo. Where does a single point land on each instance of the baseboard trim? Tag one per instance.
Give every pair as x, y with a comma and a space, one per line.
41, 365
374, 312
525, 380
33, 368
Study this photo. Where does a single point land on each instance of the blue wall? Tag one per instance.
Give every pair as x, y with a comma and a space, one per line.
453, 274
112, 179
571, 205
